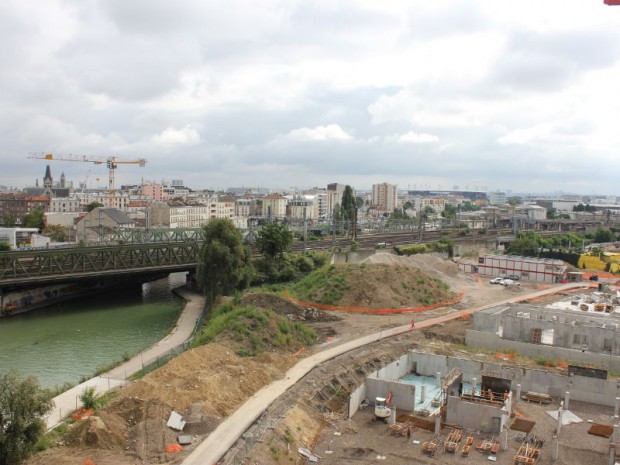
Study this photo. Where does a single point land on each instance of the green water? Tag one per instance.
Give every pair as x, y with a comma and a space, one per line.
68, 341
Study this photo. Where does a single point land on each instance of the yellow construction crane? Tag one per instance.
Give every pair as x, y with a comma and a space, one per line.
111, 163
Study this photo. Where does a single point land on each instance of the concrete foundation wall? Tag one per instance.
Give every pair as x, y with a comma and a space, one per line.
484, 340
584, 389
475, 416
394, 370
403, 394
356, 398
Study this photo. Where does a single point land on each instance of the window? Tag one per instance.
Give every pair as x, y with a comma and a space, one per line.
536, 335
481, 260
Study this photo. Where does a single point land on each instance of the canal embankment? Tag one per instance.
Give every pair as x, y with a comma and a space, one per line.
175, 342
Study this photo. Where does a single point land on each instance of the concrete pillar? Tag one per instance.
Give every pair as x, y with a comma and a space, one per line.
612, 454
555, 448
438, 424
438, 377
617, 409
392, 419
423, 394
518, 396
504, 438
559, 426
615, 437
473, 386
566, 397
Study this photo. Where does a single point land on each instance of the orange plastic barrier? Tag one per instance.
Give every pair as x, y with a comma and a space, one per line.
88, 461
378, 311
171, 448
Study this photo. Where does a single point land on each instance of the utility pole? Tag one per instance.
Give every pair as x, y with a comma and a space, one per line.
305, 232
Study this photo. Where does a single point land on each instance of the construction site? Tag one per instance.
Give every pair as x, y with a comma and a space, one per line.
422, 396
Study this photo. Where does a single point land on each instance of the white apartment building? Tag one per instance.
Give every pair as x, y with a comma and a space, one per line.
334, 197
65, 205
178, 214
320, 199
384, 197
497, 198
302, 207
274, 206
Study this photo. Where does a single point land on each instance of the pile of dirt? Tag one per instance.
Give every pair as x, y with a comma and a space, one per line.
398, 284
286, 308
104, 431
445, 270
212, 372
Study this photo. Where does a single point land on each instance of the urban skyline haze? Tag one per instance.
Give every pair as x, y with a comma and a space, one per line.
498, 94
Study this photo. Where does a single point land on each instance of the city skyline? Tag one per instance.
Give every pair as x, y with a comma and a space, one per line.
511, 97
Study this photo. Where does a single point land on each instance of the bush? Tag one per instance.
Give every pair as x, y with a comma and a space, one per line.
90, 399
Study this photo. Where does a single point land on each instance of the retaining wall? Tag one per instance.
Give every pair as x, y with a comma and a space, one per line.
492, 341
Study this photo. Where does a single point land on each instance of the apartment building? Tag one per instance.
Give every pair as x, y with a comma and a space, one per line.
334, 197
302, 207
274, 206
65, 205
384, 197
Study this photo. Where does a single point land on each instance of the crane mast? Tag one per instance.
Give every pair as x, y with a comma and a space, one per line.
110, 162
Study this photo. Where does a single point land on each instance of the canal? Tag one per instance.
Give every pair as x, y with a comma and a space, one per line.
69, 341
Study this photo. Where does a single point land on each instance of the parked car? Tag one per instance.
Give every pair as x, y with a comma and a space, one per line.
514, 277
497, 281
508, 282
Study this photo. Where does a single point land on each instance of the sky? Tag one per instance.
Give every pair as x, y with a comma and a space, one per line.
517, 96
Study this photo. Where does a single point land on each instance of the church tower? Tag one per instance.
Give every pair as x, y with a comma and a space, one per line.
47, 182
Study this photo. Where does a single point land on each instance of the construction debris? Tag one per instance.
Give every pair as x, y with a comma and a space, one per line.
598, 429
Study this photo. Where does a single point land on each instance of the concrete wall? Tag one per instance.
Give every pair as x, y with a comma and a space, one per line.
355, 399
592, 390
356, 256
475, 416
403, 394
484, 340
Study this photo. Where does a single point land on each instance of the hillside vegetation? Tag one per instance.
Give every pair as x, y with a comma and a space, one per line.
372, 285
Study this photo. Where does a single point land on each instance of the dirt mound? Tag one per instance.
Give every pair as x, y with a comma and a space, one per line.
375, 285
212, 372
104, 431
446, 270
290, 310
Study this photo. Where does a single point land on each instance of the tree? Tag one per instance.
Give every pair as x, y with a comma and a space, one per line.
224, 263
4, 246
527, 244
603, 235
449, 212
23, 404
91, 206
9, 220
34, 219
349, 208
274, 239
55, 232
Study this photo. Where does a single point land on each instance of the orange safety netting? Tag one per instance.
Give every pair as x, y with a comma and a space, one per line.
82, 413
88, 461
378, 311
171, 448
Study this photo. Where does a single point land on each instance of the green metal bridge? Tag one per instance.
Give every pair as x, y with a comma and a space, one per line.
127, 253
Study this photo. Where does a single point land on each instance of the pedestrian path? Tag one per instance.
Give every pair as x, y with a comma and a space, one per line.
69, 401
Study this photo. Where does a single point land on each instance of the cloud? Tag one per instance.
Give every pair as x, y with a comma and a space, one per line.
418, 138
171, 136
319, 133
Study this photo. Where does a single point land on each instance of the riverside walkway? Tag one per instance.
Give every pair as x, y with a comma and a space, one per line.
215, 446
69, 401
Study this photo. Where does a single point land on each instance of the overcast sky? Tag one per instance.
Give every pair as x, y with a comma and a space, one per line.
481, 94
